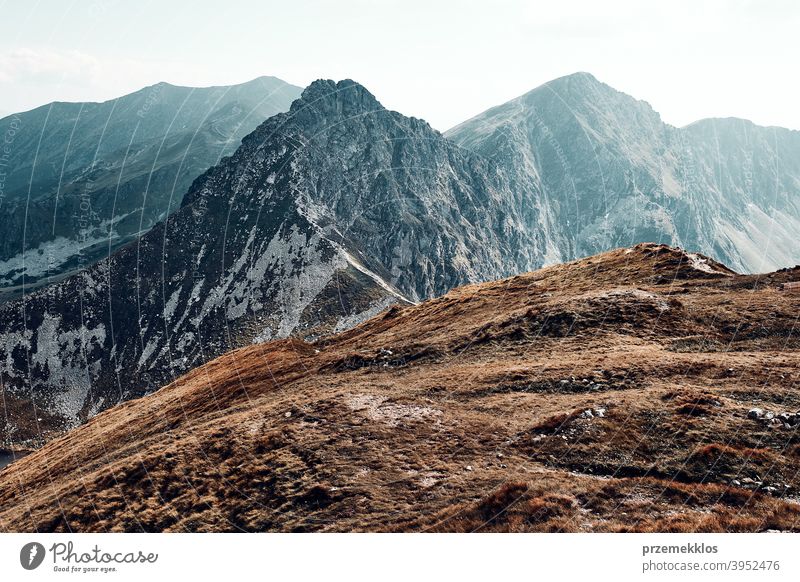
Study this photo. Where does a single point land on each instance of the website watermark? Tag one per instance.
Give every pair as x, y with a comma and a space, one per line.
66, 557
5, 153
691, 557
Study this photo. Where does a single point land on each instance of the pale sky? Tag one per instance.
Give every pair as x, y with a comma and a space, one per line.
443, 61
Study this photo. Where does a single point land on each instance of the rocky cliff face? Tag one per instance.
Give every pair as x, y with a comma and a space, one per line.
82, 179
411, 205
611, 174
322, 217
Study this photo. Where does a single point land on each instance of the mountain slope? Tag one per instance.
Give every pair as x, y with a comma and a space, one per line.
82, 179
323, 216
608, 394
612, 173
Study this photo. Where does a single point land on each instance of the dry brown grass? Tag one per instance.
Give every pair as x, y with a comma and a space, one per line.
476, 421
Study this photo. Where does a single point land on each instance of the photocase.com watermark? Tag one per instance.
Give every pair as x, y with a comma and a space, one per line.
65, 558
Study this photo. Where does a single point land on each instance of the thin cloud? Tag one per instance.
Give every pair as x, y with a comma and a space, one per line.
79, 76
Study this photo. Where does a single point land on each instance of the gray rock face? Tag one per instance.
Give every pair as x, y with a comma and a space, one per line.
612, 174
423, 213
81, 179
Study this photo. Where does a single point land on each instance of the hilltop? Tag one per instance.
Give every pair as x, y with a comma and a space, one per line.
644, 389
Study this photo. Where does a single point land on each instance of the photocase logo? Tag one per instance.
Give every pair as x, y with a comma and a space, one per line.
31, 555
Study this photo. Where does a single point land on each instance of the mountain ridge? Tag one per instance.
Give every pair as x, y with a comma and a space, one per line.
592, 77
146, 88
616, 174
103, 172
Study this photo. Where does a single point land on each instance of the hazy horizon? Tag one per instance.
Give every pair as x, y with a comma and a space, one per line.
443, 62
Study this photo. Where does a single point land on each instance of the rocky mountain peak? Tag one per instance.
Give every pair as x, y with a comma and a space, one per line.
325, 98
575, 80
583, 94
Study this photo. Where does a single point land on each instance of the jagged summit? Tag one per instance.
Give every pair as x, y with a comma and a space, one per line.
327, 98
320, 109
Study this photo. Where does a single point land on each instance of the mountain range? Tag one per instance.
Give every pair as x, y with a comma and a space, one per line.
335, 210
83, 179
611, 173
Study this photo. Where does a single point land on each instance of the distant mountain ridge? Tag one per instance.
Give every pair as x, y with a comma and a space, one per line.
82, 179
614, 174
